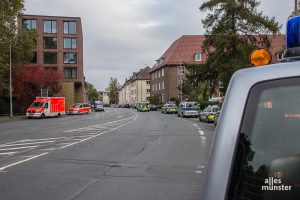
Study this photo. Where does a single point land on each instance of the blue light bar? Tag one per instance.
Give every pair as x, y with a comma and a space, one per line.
293, 32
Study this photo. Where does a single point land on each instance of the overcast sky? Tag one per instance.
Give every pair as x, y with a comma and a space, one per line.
122, 36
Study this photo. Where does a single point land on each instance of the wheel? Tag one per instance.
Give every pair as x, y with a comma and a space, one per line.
200, 118
42, 116
29, 117
78, 112
59, 115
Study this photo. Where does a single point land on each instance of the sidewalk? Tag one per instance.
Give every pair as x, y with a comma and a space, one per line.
4, 118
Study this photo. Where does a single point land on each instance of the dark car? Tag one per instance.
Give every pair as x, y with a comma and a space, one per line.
99, 107
153, 107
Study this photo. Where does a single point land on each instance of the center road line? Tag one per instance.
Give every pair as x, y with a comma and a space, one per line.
8, 153
29, 140
22, 161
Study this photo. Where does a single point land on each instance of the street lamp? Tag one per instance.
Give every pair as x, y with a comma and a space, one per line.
10, 83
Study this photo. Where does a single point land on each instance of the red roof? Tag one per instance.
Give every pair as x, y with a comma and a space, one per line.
183, 49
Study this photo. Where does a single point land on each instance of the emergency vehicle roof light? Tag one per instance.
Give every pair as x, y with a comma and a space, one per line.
293, 32
292, 51
260, 56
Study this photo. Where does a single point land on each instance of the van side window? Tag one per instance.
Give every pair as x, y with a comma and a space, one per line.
46, 105
267, 160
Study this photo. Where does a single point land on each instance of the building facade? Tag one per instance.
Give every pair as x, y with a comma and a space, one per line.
104, 97
169, 71
136, 88
59, 48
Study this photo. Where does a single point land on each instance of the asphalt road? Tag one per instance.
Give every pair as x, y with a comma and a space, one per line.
113, 155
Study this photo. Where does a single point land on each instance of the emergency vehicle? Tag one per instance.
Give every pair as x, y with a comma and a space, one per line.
46, 107
256, 147
144, 106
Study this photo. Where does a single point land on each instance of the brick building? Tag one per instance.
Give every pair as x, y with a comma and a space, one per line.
169, 71
59, 48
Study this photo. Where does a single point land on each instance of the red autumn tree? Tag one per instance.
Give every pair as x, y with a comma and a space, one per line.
29, 80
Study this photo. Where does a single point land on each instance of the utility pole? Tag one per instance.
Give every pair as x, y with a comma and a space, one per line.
10, 83
296, 7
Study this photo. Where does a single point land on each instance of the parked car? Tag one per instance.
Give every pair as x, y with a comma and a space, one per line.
153, 107
143, 106
126, 106
169, 108
99, 107
188, 109
208, 114
79, 108
217, 117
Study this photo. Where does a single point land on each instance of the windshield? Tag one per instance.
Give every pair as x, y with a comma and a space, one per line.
75, 106
37, 105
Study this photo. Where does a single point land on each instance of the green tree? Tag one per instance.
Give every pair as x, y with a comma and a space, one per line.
233, 29
92, 92
21, 41
113, 89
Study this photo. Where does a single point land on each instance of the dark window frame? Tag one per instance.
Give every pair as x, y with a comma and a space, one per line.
53, 53
73, 72
68, 57
68, 24
30, 24
71, 42
44, 42
52, 21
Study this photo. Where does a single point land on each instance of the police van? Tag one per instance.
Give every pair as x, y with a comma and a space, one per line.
257, 155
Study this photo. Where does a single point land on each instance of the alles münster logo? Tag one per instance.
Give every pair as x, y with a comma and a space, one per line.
275, 184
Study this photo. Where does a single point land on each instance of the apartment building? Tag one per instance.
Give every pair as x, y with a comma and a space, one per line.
136, 88
169, 71
59, 48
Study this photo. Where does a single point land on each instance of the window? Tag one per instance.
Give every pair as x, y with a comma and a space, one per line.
50, 43
70, 58
71, 73
34, 58
148, 91
70, 43
162, 71
70, 28
49, 26
50, 58
163, 85
268, 146
29, 24
148, 82
158, 73
153, 87
198, 57
181, 69
158, 86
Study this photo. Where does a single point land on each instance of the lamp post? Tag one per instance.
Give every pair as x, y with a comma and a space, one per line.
296, 7
10, 83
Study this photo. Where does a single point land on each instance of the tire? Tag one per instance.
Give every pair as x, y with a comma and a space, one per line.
200, 119
42, 116
29, 117
59, 115
78, 113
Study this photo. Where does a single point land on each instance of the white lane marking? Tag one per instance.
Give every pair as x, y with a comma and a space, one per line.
201, 132
97, 125
120, 116
21, 144
50, 149
195, 125
97, 134
28, 147
22, 161
8, 153
198, 172
203, 139
29, 140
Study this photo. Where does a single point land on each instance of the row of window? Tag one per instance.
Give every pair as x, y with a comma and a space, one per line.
159, 86
50, 26
51, 43
158, 74
69, 72
51, 58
